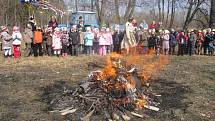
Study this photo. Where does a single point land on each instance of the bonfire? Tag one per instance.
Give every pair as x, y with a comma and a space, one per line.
116, 92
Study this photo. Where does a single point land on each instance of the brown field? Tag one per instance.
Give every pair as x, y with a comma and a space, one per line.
187, 86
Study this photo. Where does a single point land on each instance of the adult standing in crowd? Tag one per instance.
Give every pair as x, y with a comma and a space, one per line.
32, 22
53, 23
129, 40
28, 39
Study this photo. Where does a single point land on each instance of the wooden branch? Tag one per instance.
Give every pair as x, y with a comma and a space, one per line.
137, 115
87, 117
65, 112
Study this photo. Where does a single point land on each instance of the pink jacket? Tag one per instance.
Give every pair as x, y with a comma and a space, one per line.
109, 38
102, 39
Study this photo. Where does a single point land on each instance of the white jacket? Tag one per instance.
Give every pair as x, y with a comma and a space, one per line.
17, 38
56, 42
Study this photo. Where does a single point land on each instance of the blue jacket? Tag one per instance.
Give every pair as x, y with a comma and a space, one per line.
88, 38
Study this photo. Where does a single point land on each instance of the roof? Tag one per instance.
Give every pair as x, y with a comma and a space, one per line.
83, 12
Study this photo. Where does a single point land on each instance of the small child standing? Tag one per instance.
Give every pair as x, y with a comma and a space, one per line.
65, 42
6, 42
49, 41
88, 39
38, 40
109, 40
102, 42
17, 38
56, 42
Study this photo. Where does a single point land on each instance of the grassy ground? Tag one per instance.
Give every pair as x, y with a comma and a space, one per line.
187, 86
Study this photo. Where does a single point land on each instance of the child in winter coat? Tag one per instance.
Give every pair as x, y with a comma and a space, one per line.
74, 38
49, 41
109, 40
117, 38
65, 42
56, 42
17, 39
102, 42
199, 42
6, 42
211, 48
38, 40
165, 43
88, 39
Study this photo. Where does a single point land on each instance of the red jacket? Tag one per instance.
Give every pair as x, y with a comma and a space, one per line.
186, 38
153, 26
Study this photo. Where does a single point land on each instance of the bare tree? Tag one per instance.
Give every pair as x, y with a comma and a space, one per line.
159, 9
193, 7
130, 9
163, 13
117, 11
172, 13
212, 14
167, 14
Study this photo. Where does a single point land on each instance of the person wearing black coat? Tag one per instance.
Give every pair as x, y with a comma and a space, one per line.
117, 39
74, 41
209, 37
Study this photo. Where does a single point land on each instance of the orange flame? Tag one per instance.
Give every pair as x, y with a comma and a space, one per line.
150, 64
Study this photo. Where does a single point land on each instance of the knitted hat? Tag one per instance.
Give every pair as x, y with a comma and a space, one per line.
3, 28
166, 31
57, 29
88, 28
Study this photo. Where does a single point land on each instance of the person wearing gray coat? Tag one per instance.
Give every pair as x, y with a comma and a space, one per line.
28, 39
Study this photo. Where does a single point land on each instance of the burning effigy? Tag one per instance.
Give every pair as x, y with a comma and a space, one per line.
115, 92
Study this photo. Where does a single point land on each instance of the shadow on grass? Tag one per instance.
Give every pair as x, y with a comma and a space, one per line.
172, 98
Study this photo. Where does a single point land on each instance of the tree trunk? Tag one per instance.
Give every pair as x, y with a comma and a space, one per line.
127, 10
188, 15
130, 9
92, 5
163, 11
103, 11
167, 16
159, 9
172, 14
76, 5
133, 4
212, 14
117, 11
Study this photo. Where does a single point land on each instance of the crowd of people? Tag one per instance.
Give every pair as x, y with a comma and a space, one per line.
79, 39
